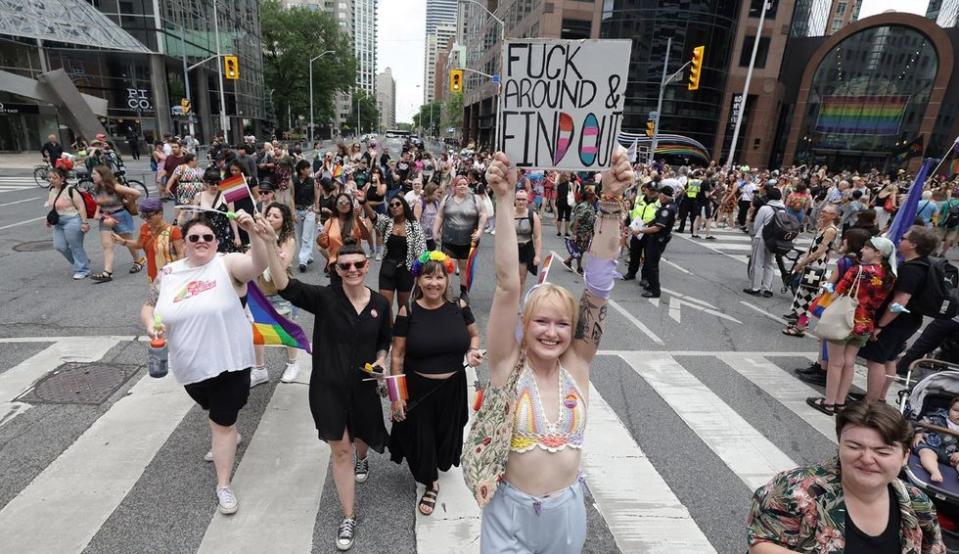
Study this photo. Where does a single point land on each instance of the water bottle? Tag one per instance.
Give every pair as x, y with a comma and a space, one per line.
157, 362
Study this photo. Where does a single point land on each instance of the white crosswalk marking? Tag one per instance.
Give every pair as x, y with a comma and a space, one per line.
12, 184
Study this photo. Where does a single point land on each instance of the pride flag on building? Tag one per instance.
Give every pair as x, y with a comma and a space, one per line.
269, 327
234, 188
861, 115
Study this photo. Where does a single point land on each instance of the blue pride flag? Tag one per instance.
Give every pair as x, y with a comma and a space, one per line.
907, 212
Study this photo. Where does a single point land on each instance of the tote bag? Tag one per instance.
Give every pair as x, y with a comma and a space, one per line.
837, 319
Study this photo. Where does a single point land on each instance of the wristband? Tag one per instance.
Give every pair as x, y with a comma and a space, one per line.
598, 275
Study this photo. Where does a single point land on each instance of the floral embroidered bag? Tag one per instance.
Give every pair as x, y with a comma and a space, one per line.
487, 445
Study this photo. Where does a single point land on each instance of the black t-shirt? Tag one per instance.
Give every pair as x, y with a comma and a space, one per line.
562, 190
436, 340
910, 278
396, 247
887, 542
264, 159
303, 192
53, 151
403, 170
665, 217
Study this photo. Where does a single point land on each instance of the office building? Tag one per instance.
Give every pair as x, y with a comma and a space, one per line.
436, 42
944, 12
386, 99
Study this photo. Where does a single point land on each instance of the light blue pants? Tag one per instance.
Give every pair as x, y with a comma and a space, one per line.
517, 523
306, 235
68, 240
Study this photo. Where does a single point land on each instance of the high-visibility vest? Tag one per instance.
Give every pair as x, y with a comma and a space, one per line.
645, 209
692, 187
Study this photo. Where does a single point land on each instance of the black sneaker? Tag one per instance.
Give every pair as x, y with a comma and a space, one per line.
767, 294
650, 294
644, 283
813, 369
346, 534
790, 316
361, 469
629, 277
753, 292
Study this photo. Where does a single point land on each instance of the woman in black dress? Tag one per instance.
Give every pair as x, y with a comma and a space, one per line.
430, 338
247, 204
351, 329
210, 198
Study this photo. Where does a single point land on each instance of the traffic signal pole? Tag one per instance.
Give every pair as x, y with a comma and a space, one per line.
749, 77
186, 79
659, 103
219, 71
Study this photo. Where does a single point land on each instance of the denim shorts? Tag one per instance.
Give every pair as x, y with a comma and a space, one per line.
124, 223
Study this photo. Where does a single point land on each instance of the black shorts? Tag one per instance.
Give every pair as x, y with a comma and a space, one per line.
892, 340
223, 396
563, 211
456, 251
395, 276
704, 208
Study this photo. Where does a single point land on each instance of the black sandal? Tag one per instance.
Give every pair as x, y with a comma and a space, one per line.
102, 277
793, 331
428, 500
138, 265
819, 403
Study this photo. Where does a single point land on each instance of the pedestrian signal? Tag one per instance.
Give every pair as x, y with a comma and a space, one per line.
456, 80
650, 128
185, 104
231, 68
696, 67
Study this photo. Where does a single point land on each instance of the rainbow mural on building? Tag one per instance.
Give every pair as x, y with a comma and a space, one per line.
861, 115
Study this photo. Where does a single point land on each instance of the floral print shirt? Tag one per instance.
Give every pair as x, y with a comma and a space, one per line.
803, 510
873, 288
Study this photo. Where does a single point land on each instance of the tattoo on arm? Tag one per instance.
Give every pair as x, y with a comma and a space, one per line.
592, 318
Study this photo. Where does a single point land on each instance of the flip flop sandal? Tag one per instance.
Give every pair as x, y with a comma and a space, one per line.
137, 266
428, 500
794, 331
102, 277
820, 404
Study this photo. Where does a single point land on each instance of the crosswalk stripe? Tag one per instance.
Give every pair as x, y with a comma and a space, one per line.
750, 455
640, 509
62, 509
279, 482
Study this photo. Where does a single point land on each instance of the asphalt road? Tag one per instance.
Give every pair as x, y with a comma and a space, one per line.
694, 406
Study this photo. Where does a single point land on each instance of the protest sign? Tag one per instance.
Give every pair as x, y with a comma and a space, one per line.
561, 102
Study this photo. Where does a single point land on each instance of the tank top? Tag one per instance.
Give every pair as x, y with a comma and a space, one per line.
428, 216
459, 219
824, 259
208, 331
524, 228
109, 203
531, 429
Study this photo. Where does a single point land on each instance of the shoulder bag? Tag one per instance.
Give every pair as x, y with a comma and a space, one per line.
52, 216
487, 444
837, 320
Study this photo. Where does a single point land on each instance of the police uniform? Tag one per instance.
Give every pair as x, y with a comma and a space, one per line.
646, 209
688, 208
656, 244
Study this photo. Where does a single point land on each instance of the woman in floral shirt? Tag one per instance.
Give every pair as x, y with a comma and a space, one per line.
853, 503
871, 283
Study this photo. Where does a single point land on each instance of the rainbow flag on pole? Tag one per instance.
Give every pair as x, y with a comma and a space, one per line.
269, 327
470, 266
234, 188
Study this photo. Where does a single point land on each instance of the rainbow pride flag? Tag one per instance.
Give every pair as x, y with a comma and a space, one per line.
861, 115
234, 188
396, 387
470, 267
269, 327
953, 168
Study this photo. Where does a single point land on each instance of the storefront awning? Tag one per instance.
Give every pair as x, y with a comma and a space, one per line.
67, 21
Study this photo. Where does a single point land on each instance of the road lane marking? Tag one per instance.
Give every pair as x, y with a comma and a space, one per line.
677, 266
22, 201
62, 509
641, 511
23, 222
749, 454
752, 306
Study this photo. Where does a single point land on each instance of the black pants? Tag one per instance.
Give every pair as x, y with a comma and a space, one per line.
653, 251
134, 150
743, 212
636, 244
687, 208
930, 339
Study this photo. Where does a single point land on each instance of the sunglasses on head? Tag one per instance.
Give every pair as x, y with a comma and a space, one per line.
346, 266
206, 237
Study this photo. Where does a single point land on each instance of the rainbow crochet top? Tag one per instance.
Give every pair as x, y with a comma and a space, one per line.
531, 429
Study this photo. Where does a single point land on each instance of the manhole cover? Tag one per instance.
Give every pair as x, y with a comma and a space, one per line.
79, 383
34, 246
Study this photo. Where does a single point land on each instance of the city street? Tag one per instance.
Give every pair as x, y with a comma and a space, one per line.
693, 407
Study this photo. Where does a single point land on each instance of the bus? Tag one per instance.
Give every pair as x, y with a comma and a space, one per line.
397, 133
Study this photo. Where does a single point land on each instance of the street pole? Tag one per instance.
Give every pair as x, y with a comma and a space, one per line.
502, 40
659, 104
358, 113
186, 79
749, 76
219, 71
311, 91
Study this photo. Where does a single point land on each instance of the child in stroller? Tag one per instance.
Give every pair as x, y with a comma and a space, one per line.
933, 447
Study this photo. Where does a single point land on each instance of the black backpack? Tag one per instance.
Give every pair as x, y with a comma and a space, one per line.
938, 297
952, 216
781, 231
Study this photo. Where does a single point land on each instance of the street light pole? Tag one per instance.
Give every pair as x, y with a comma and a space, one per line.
219, 71
502, 40
186, 79
659, 104
311, 91
749, 76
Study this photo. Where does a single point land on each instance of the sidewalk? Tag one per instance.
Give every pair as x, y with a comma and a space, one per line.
23, 160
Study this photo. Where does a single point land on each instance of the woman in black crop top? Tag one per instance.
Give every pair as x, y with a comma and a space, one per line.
430, 338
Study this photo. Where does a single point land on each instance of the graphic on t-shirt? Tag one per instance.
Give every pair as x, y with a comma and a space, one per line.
193, 288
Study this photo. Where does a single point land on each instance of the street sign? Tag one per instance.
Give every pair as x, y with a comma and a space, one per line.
495, 78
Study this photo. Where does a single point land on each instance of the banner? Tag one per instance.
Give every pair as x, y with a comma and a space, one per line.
561, 102
861, 115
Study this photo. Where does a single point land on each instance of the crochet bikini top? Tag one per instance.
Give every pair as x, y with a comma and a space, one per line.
531, 429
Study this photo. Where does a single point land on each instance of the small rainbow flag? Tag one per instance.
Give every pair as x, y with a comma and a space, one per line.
396, 387
544, 272
269, 327
235, 188
470, 266
953, 169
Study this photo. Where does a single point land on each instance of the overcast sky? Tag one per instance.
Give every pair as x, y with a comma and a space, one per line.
402, 26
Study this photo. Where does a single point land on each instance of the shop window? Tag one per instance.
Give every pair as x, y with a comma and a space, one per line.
747, 52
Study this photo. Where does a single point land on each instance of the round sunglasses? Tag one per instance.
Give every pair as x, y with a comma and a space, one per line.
205, 237
346, 266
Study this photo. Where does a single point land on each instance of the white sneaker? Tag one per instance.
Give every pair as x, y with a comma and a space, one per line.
290, 373
208, 457
258, 376
493, 232
379, 257
228, 503
80, 275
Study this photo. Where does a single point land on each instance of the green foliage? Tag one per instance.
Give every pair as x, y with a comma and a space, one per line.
453, 112
369, 114
290, 38
423, 119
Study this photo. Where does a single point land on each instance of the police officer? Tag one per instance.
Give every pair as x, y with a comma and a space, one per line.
689, 200
657, 237
645, 208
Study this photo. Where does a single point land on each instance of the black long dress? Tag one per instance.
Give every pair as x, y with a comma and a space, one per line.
343, 341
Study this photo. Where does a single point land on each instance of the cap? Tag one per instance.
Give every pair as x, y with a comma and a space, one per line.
265, 184
151, 205
666, 189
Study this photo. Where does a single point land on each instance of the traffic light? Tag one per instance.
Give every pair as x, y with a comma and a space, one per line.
696, 67
185, 104
650, 128
456, 80
231, 68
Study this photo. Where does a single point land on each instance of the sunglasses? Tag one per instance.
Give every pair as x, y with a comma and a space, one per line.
201, 238
346, 266
148, 215
396, 205
343, 202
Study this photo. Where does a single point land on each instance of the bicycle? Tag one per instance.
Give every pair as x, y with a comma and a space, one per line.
40, 172
85, 183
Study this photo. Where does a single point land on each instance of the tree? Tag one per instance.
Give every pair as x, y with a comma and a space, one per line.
369, 113
453, 113
290, 38
428, 118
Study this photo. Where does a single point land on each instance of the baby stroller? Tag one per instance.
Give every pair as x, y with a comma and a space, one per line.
935, 392
790, 277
